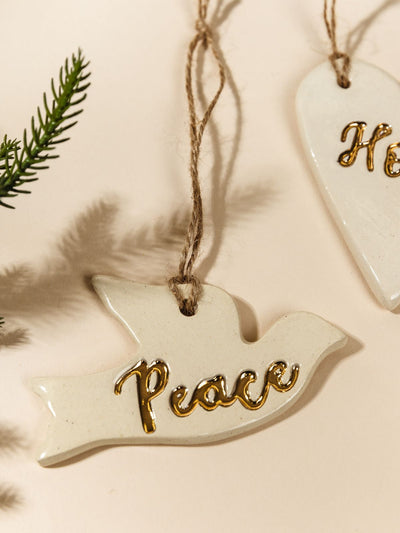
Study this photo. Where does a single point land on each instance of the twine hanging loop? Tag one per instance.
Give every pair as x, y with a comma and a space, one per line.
340, 61
185, 285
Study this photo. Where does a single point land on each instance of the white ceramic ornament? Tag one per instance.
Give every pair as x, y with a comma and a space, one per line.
352, 138
194, 379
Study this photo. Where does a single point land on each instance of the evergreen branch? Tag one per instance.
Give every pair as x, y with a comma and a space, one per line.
20, 160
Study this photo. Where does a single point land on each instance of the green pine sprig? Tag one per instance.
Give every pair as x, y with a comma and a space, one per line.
20, 160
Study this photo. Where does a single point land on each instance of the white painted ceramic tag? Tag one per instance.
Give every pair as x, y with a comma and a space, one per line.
352, 138
194, 379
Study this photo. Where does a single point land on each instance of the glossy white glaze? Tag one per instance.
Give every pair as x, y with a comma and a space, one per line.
86, 413
365, 205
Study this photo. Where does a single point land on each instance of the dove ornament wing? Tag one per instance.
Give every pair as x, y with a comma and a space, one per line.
194, 379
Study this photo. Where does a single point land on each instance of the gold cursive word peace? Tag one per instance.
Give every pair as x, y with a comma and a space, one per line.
209, 393
348, 157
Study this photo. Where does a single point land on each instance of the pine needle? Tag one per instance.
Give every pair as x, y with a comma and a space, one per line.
21, 160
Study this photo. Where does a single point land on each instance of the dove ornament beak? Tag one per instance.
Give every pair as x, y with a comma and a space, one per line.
194, 380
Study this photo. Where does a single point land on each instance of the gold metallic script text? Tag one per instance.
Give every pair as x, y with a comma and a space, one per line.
146, 393
209, 393
348, 157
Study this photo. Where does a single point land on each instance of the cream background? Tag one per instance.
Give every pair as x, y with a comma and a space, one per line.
331, 464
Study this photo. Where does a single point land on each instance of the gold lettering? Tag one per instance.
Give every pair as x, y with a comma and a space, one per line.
143, 372
348, 157
212, 393
391, 160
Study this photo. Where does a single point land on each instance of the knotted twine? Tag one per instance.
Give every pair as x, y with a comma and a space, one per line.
340, 60
185, 285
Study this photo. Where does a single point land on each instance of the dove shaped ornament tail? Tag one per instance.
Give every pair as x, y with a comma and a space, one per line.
194, 379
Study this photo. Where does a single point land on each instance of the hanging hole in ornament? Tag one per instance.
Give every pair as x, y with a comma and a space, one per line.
345, 83
341, 64
188, 308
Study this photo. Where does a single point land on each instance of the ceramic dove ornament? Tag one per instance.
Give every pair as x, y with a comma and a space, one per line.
352, 140
194, 379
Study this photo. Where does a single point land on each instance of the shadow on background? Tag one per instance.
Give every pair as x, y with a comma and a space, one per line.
93, 245
10, 498
356, 35
10, 442
13, 338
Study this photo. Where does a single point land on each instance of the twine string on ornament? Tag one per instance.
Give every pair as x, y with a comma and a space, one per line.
186, 286
340, 61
